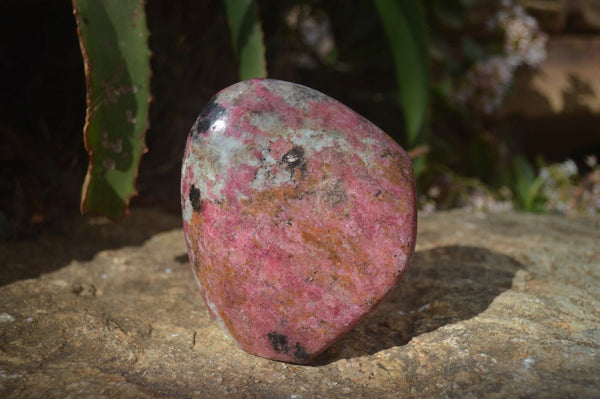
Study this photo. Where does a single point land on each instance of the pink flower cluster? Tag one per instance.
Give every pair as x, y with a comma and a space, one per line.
524, 42
485, 84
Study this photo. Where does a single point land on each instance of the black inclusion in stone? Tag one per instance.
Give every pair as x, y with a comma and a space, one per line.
279, 342
195, 199
300, 352
209, 114
294, 158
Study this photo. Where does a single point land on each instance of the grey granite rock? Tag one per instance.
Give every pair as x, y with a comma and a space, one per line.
495, 305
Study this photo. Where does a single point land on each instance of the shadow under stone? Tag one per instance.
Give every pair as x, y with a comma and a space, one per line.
79, 238
443, 285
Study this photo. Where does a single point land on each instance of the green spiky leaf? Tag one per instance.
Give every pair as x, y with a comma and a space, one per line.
113, 37
247, 38
404, 24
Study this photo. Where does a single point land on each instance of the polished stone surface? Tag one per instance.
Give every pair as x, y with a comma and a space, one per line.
299, 216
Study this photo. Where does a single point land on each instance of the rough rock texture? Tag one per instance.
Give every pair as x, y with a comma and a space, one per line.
299, 216
502, 305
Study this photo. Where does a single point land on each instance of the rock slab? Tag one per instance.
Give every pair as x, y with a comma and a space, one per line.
493, 306
299, 216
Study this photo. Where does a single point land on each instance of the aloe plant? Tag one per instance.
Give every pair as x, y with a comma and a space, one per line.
113, 38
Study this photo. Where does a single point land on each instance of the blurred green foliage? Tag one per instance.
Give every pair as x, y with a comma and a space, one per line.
246, 38
424, 45
404, 24
112, 71
525, 184
339, 47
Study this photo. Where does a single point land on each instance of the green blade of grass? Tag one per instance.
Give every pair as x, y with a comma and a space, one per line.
247, 38
404, 24
113, 37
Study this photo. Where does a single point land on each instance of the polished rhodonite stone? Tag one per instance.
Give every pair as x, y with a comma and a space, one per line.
299, 216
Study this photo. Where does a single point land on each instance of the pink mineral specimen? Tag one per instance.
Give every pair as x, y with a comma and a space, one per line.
299, 216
